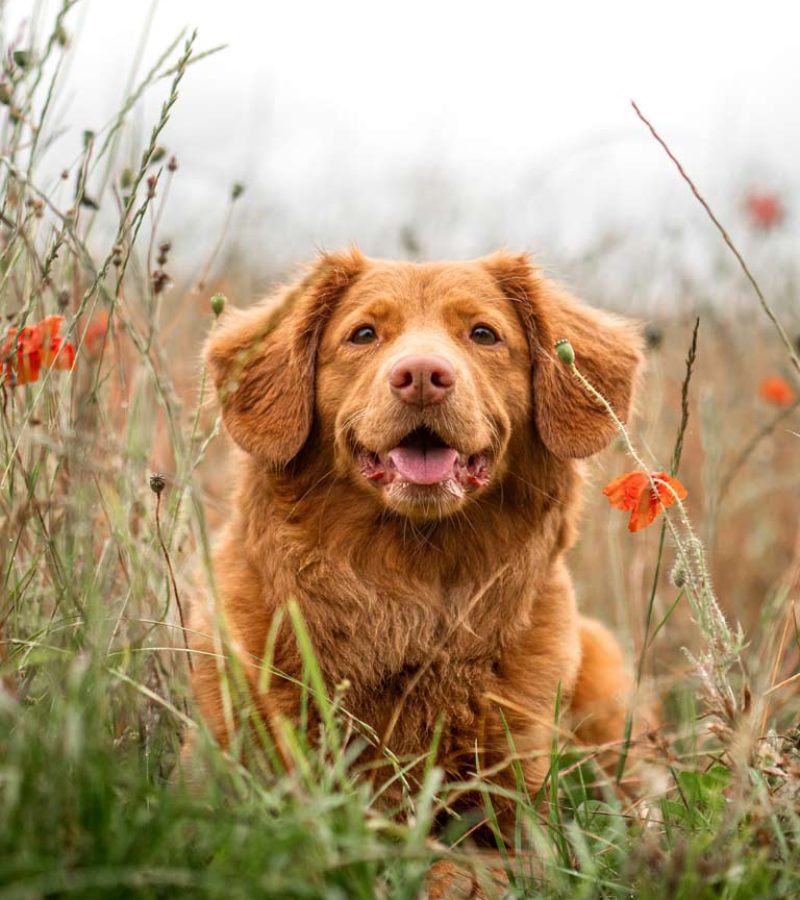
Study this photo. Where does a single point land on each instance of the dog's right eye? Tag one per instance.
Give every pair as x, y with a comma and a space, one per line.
364, 334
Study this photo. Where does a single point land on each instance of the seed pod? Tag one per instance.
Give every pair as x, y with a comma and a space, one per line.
678, 574
218, 304
565, 352
22, 58
157, 483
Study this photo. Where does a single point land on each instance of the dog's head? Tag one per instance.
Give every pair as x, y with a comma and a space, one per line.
420, 381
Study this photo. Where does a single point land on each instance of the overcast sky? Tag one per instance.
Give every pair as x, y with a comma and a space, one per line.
482, 123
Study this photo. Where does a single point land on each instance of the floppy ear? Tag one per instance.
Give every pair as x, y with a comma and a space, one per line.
263, 360
570, 422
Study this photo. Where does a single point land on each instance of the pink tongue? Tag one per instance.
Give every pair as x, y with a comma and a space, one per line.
424, 467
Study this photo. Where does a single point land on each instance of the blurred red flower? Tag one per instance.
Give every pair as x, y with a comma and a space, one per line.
23, 353
632, 493
95, 335
765, 209
777, 390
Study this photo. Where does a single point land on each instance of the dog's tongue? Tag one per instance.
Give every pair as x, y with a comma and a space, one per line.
429, 466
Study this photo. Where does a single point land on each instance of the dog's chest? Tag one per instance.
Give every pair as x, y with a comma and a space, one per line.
381, 638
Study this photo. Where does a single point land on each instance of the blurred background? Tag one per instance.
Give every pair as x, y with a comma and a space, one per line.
446, 129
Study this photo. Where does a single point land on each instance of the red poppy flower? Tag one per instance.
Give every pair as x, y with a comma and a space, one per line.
633, 493
776, 390
29, 354
95, 334
764, 209
24, 353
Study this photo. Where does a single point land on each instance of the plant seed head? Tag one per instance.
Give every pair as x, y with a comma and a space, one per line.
653, 336
678, 574
218, 304
157, 483
565, 352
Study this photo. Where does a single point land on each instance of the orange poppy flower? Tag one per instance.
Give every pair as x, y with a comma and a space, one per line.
776, 390
633, 493
29, 354
24, 353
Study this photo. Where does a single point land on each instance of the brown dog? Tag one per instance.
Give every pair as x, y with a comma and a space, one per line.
410, 480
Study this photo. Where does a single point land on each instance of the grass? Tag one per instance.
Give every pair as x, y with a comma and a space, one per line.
94, 565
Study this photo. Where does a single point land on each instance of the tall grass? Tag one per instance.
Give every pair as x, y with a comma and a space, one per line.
97, 557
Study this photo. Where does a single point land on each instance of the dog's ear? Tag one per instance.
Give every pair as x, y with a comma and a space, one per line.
570, 422
263, 360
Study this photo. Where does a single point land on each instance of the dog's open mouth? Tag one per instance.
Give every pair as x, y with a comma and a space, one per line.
423, 458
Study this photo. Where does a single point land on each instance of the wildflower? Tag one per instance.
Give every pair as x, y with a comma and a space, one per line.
95, 335
56, 353
764, 209
777, 390
632, 492
50, 328
23, 353
27, 361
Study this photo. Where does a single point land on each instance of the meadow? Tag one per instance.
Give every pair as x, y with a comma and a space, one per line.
113, 481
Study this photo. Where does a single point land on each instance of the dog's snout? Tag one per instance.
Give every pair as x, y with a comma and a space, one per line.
422, 380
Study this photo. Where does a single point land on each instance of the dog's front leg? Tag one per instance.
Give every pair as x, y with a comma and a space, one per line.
535, 680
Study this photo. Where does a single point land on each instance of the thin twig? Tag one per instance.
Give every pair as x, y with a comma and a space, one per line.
676, 461
749, 448
171, 575
691, 356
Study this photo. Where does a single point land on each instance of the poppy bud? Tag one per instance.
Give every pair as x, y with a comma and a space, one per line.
565, 352
653, 336
22, 58
157, 483
218, 304
678, 574
237, 190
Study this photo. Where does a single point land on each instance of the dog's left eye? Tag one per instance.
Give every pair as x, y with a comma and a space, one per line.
364, 334
482, 334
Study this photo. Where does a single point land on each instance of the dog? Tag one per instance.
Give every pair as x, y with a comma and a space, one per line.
410, 477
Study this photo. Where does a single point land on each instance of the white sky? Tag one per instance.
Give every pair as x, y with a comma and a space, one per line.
484, 123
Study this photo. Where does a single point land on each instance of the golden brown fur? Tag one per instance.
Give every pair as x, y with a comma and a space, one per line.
430, 602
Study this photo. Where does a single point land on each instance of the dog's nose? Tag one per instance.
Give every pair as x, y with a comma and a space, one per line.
422, 380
